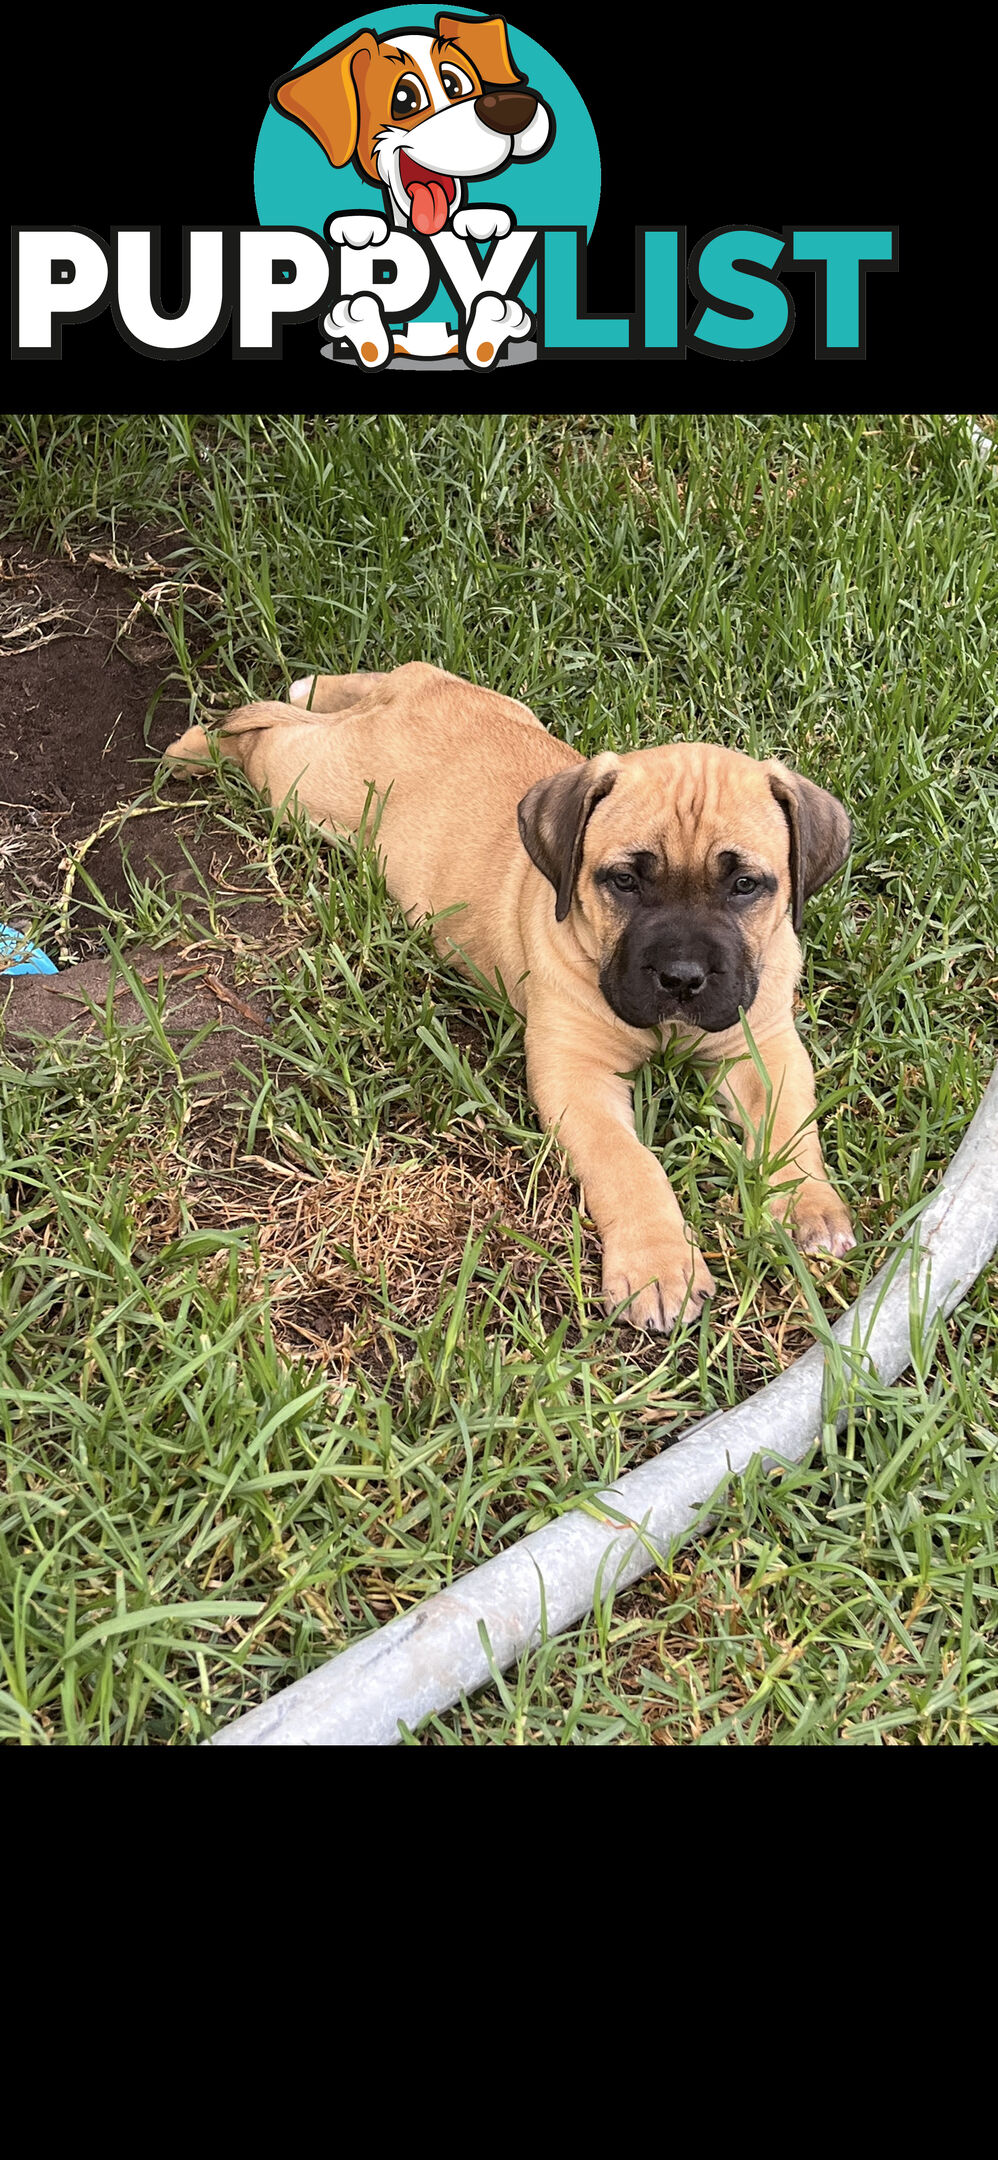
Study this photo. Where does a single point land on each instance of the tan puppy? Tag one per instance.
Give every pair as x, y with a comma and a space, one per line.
617, 899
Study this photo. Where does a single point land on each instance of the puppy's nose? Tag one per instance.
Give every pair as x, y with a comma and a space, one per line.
507, 111
681, 978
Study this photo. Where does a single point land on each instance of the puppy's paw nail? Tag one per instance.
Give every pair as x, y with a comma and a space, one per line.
841, 1241
301, 691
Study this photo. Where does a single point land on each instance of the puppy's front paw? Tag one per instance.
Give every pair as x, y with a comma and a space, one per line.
657, 1282
360, 320
480, 222
357, 229
491, 324
818, 1220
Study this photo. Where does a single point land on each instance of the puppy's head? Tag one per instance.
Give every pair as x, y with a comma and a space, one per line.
681, 864
420, 116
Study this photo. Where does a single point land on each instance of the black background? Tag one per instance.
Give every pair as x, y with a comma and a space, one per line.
133, 119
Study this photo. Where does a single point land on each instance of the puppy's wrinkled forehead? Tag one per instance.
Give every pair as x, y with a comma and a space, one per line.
688, 802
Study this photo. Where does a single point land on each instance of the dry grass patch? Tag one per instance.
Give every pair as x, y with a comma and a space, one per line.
343, 1256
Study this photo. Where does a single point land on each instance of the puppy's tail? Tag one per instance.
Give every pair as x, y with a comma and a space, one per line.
194, 747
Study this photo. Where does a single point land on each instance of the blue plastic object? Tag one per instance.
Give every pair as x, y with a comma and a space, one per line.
32, 961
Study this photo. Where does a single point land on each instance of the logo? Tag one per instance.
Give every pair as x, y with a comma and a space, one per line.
431, 154
426, 186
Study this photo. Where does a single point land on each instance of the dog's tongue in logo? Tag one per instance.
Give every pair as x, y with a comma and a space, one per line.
430, 194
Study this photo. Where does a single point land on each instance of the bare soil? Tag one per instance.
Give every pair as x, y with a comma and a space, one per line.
86, 708
81, 661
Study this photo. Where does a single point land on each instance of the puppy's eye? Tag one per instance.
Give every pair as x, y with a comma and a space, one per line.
455, 84
623, 881
409, 97
745, 885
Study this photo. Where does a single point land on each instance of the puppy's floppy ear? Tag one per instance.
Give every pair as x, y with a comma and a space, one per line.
324, 95
820, 833
485, 43
553, 819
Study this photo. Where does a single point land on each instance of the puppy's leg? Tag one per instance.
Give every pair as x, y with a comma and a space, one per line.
194, 746
818, 1219
191, 748
332, 693
234, 738
650, 1263
297, 759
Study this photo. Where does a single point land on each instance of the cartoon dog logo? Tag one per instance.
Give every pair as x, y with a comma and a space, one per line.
420, 116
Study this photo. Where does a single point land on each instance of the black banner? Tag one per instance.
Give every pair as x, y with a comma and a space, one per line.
705, 139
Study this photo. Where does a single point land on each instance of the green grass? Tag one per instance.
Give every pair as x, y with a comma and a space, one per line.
201, 1503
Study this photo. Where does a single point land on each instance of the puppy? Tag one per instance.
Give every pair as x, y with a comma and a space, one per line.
619, 900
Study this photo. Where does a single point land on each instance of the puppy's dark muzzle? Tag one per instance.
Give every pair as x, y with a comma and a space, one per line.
669, 968
508, 112
679, 979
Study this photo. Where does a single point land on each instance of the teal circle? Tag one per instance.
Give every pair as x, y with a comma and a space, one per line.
295, 184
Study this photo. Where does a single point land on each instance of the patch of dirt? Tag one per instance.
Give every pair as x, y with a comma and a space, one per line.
209, 1023
81, 660
177, 851
83, 663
